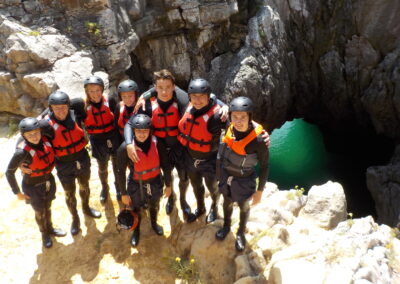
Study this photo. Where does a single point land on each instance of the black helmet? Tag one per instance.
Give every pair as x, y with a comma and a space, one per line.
28, 124
127, 219
58, 98
128, 86
95, 80
141, 121
241, 104
199, 86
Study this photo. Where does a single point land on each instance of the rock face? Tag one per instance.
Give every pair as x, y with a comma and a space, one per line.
335, 63
316, 244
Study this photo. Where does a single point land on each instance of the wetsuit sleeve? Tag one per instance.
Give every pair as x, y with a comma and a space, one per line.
182, 99
263, 156
128, 131
18, 158
78, 106
47, 129
164, 163
122, 164
112, 103
149, 93
219, 102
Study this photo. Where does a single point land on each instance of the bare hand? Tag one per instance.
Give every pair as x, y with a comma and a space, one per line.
167, 191
224, 112
265, 137
24, 169
126, 200
22, 196
131, 149
141, 103
256, 197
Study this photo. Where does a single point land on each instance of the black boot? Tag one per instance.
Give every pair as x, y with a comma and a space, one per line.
170, 203
201, 208
153, 220
135, 237
187, 212
240, 243
212, 215
222, 233
103, 175
40, 216
76, 225
49, 225
84, 192
118, 192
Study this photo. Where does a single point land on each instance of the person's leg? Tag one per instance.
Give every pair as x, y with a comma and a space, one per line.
196, 181
103, 175
154, 206
134, 193
228, 208
212, 186
40, 217
244, 217
70, 199
115, 171
84, 192
49, 224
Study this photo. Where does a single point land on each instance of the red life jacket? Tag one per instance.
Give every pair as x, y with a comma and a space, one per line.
123, 118
99, 120
42, 160
194, 133
239, 146
66, 141
148, 166
164, 123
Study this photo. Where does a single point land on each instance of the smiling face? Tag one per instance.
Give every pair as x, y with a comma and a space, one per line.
240, 120
94, 92
199, 100
129, 98
33, 136
142, 134
165, 89
60, 111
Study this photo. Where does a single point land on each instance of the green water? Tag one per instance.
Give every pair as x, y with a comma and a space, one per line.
298, 156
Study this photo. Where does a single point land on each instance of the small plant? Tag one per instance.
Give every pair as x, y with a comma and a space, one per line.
297, 193
350, 221
185, 269
12, 129
93, 28
34, 33
255, 239
69, 29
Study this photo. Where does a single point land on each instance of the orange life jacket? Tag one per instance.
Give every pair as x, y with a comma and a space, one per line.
42, 160
238, 146
99, 120
123, 118
194, 133
164, 123
67, 141
148, 166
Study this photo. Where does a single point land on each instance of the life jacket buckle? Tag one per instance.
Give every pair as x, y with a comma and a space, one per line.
109, 143
197, 162
148, 189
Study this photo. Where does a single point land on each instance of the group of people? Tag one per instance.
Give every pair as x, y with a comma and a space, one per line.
151, 134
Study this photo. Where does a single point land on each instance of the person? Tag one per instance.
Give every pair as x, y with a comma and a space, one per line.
144, 180
241, 150
97, 117
200, 131
72, 159
39, 187
128, 92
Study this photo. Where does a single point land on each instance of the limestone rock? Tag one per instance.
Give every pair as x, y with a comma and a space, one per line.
243, 268
326, 205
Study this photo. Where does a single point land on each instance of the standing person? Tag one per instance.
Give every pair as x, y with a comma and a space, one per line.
242, 149
200, 131
144, 180
98, 119
39, 187
166, 106
72, 159
128, 92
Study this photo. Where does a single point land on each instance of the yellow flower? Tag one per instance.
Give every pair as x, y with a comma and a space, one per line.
178, 259
192, 260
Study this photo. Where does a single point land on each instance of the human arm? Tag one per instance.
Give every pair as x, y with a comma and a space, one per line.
20, 156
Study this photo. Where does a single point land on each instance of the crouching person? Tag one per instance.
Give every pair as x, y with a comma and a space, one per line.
144, 181
242, 149
39, 187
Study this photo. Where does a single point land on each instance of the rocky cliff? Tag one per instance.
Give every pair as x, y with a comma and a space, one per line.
335, 63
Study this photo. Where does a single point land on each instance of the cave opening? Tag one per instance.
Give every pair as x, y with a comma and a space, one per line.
305, 154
